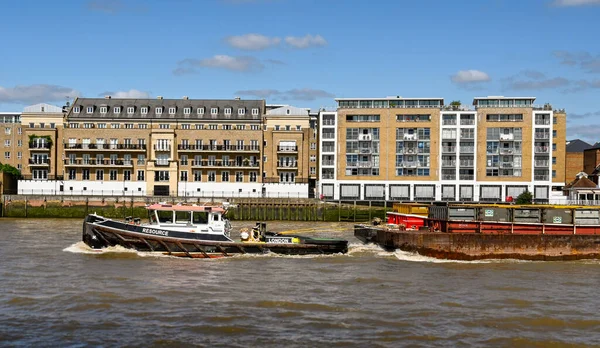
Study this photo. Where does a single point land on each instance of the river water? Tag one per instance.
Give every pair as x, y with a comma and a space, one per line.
56, 292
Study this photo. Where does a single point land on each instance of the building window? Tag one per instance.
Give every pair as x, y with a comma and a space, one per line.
241, 111
115, 125
52, 125
72, 174
158, 111
214, 111
224, 176
254, 127
553, 146
102, 125
554, 133
128, 125
31, 125
288, 127
200, 111
140, 175
241, 127
142, 126
239, 176
42, 125
164, 126
187, 111
276, 127
554, 120
85, 174
197, 175
7, 143
313, 146
112, 174
313, 158
7, 131
255, 112
117, 110
228, 111
19, 155
553, 160
199, 126
161, 175
183, 175
313, 170
90, 109
212, 176
103, 109
213, 126
185, 126
130, 110
100, 174
73, 125
19, 130
226, 127
76, 110
7, 155
172, 111
19, 143
144, 111
252, 176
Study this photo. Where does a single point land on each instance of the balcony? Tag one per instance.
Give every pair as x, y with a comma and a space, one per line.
129, 147
407, 150
224, 164
541, 177
449, 122
542, 121
407, 164
467, 122
448, 149
162, 148
328, 163
218, 148
39, 146
506, 151
365, 151
284, 164
162, 163
98, 163
448, 176
507, 165
467, 149
542, 135
542, 149
287, 149
466, 177
507, 137
410, 137
467, 163
540, 163
448, 163
364, 164
41, 162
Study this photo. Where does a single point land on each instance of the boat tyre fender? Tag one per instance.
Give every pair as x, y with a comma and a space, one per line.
436, 226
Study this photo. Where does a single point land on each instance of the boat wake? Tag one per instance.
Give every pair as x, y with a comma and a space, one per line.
82, 248
414, 257
360, 248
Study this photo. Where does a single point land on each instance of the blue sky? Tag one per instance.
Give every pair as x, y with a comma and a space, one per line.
304, 52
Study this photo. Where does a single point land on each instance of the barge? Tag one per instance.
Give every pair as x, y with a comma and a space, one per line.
197, 232
474, 232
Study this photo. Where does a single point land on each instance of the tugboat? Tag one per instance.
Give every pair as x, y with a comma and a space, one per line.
197, 232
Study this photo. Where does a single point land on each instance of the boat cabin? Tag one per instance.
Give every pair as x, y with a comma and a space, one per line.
167, 215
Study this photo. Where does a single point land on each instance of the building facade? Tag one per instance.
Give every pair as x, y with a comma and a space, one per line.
418, 149
12, 139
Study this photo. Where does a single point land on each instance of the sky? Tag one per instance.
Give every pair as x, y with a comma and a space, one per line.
304, 52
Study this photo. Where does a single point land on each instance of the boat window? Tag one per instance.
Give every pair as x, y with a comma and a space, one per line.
216, 217
183, 217
200, 217
165, 216
152, 216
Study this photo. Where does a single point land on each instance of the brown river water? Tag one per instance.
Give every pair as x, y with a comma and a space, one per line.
56, 292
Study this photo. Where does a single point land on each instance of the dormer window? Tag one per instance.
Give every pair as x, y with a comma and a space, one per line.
214, 111
172, 111
158, 111
76, 110
227, 111
130, 110
241, 111
144, 110
255, 112
200, 111
103, 109
117, 110
90, 109
187, 111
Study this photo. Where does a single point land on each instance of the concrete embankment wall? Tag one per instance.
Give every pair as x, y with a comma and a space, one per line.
467, 246
238, 209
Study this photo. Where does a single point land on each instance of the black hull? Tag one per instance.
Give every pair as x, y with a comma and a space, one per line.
98, 236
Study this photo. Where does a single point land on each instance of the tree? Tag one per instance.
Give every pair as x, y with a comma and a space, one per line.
525, 198
455, 104
8, 169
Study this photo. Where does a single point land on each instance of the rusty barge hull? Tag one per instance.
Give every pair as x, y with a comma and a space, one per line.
479, 246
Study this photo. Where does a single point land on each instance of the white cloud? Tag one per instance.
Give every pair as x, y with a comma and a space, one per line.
241, 63
131, 94
587, 132
36, 94
252, 42
573, 3
306, 41
470, 76
304, 94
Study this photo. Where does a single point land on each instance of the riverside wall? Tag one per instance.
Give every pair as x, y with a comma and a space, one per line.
259, 209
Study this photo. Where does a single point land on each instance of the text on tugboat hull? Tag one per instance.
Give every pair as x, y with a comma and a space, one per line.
157, 232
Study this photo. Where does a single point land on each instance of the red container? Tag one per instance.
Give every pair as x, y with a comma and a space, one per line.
410, 221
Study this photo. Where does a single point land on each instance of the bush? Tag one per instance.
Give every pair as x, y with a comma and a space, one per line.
524, 198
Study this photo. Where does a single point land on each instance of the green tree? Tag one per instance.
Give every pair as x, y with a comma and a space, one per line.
525, 198
455, 104
7, 168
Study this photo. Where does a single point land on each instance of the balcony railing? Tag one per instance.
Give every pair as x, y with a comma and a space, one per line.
328, 163
221, 163
467, 122
540, 163
283, 164
507, 165
35, 145
446, 149
467, 163
48, 177
411, 137
541, 177
39, 161
467, 149
507, 137
407, 150
185, 147
287, 148
80, 146
542, 149
542, 122
466, 177
507, 151
448, 163
542, 135
448, 176
276, 180
162, 147
408, 164
95, 162
449, 122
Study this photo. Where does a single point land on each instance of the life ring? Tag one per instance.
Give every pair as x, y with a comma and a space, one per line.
436, 226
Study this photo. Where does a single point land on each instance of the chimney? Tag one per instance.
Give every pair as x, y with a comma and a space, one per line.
107, 97
185, 97
159, 97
